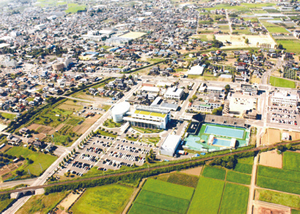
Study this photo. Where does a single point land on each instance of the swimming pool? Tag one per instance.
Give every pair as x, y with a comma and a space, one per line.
222, 131
221, 142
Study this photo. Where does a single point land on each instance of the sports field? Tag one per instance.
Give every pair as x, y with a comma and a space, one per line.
207, 196
279, 82
133, 35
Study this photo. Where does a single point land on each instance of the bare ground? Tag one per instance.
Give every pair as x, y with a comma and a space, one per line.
271, 158
193, 171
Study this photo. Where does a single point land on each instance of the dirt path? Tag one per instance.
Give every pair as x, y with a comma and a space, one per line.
133, 196
252, 186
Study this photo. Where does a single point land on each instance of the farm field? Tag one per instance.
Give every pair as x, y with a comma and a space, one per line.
183, 179
40, 160
278, 173
213, 172
291, 161
277, 184
279, 198
238, 177
162, 197
207, 196
279, 82
290, 45
243, 168
42, 203
235, 199
169, 189
103, 199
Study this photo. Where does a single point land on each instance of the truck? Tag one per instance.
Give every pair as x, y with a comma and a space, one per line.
182, 152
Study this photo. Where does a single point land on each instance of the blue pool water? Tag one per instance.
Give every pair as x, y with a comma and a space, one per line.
221, 142
228, 132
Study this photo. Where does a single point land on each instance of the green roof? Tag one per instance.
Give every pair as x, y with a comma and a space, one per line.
154, 114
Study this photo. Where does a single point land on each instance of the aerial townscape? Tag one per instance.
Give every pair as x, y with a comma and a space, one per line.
149, 107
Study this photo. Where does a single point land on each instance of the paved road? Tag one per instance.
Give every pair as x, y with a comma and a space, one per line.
11, 184
43, 178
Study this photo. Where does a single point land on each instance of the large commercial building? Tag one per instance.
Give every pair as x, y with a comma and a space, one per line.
170, 145
149, 117
118, 111
174, 93
285, 99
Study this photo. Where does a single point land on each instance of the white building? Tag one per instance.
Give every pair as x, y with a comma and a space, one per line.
174, 93
149, 117
118, 111
170, 145
285, 99
196, 70
239, 103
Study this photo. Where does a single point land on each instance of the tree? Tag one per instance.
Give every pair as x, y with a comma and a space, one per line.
217, 111
227, 88
280, 46
247, 41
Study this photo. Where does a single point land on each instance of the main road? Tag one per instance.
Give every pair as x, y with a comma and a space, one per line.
49, 172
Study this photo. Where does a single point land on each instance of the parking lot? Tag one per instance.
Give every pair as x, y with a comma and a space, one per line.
283, 115
106, 153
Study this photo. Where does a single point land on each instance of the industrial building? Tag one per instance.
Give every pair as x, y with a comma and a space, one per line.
170, 145
149, 117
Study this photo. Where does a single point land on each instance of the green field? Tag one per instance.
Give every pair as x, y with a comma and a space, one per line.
162, 201
291, 161
137, 207
111, 124
8, 116
279, 198
40, 160
42, 203
243, 168
4, 204
290, 45
279, 173
279, 82
183, 179
213, 172
103, 199
207, 196
277, 184
74, 8
248, 160
235, 199
169, 189
238, 177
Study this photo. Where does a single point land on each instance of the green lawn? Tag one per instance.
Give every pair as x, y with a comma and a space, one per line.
4, 204
243, 168
104, 133
290, 45
40, 163
103, 199
111, 124
169, 189
235, 199
153, 140
142, 130
277, 184
238, 177
295, 211
279, 173
74, 8
213, 172
183, 179
162, 201
8, 116
279, 198
42, 203
207, 196
137, 207
279, 82
291, 161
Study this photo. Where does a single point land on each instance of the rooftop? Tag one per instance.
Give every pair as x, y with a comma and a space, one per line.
154, 114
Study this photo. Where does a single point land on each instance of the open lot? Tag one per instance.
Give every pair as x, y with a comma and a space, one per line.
271, 159
40, 160
207, 196
74, 8
279, 82
133, 35
271, 136
42, 203
103, 199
